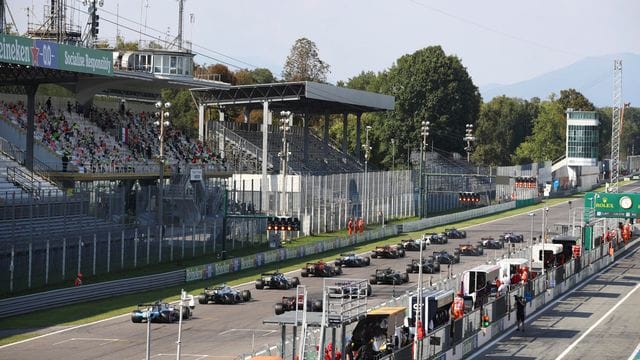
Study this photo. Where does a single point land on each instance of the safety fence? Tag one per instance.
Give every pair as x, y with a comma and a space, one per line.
44, 300
456, 217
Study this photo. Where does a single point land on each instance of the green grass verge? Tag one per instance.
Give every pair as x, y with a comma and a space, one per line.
102, 309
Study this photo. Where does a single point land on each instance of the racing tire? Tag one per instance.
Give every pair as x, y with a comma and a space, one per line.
369, 290
246, 295
367, 261
136, 319
409, 268
228, 299
338, 262
373, 279
404, 277
237, 298
202, 300
401, 253
316, 305
295, 281
279, 308
436, 266
304, 272
259, 284
186, 313
374, 256
166, 317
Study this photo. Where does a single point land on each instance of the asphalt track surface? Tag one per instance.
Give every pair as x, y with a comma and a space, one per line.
226, 331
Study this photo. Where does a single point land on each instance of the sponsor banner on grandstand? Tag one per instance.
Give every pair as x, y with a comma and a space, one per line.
291, 253
248, 262
73, 58
51, 55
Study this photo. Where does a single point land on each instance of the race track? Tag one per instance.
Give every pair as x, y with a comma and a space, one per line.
225, 331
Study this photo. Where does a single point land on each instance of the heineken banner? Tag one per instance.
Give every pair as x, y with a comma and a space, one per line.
46, 54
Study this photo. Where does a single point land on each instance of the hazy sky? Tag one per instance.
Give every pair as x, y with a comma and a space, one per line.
498, 41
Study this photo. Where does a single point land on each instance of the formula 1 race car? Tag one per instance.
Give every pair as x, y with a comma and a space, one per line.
491, 243
159, 312
388, 276
470, 250
320, 269
454, 233
289, 303
414, 245
388, 252
511, 237
429, 266
223, 294
433, 238
276, 280
443, 257
352, 260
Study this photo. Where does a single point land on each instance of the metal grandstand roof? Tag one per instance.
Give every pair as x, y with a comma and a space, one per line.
304, 96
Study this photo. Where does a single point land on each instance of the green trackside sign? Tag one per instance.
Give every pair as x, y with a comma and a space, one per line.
609, 205
46, 54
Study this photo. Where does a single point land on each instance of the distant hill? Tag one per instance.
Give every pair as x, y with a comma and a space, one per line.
592, 76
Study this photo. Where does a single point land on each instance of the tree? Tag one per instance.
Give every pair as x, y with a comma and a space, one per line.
184, 115
255, 76
429, 85
304, 64
502, 125
571, 98
226, 75
121, 44
547, 142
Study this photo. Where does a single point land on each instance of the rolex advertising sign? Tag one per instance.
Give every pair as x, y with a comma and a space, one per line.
606, 205
47, 54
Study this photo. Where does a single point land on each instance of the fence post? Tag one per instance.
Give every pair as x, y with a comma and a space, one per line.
193, 240
64, 256
148, 240
95, 243
46, 266
214, 237
79, 253
135, 249
184, 236
171, 244
109, 251
160, 245
11, 267
122, 250
204, 233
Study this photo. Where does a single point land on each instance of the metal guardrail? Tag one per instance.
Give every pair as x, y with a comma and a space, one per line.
59, 297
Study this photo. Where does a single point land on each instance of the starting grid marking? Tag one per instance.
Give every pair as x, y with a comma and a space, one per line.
103, 340
266, 332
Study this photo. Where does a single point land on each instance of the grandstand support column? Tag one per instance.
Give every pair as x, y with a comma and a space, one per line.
345, 128
265, 131
358, 139
202, 131
325, 134
305, 136
31, 110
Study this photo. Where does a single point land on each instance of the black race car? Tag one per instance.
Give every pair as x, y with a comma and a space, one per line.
433, 238
223, 294
276, 280
470, 250
491, 243
429, 266
443, 257
454, 233
320, 269
388, 252
159, 312
414, 245
352, 260
388, 276
511, 237
288, 303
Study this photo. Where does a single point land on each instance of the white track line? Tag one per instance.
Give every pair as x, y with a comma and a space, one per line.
553, 303
635, 353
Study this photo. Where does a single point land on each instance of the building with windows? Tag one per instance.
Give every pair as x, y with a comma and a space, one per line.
582, 142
